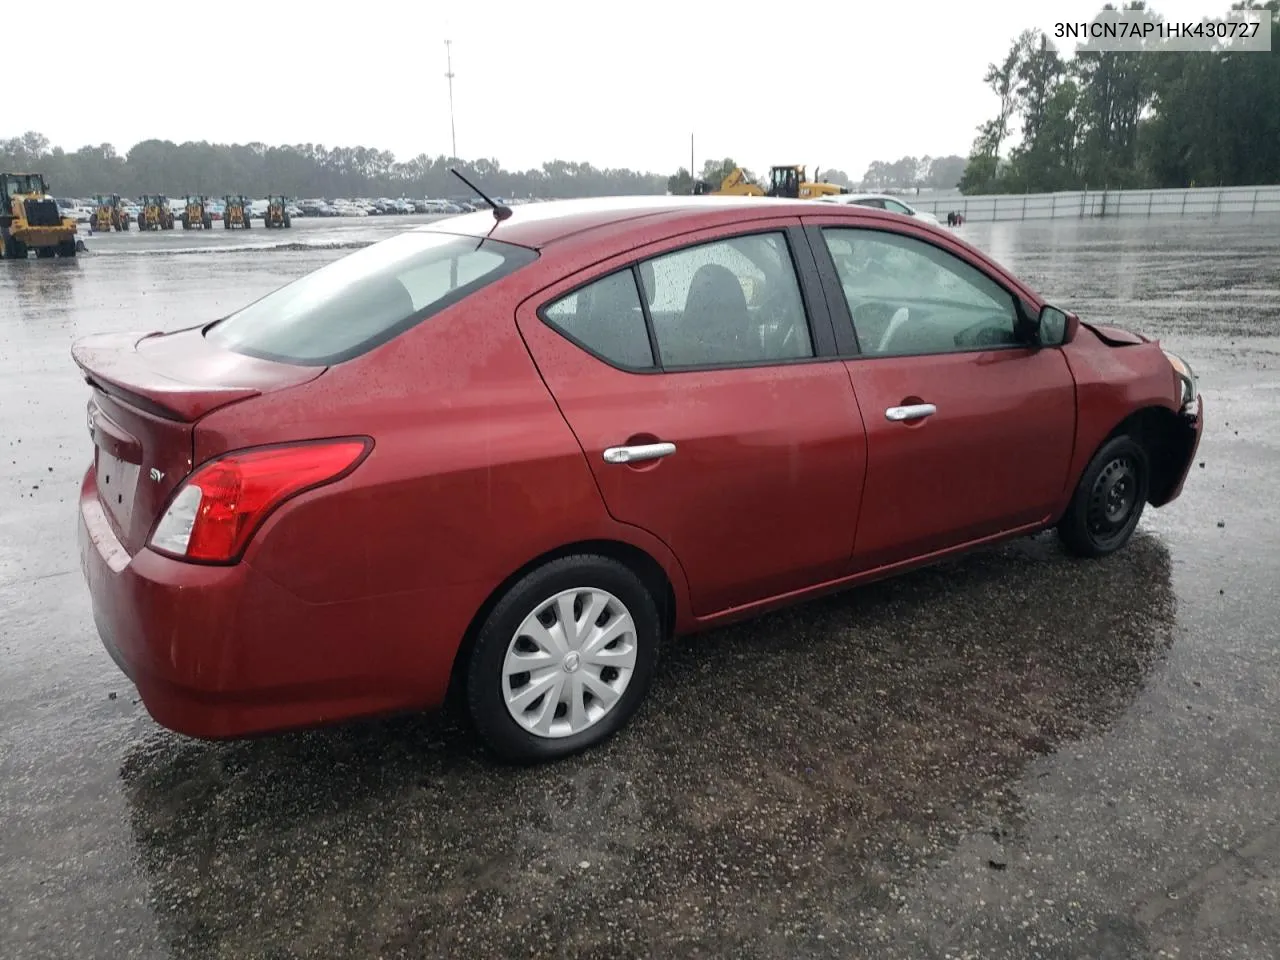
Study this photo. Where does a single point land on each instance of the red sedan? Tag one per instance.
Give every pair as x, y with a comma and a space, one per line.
517, 453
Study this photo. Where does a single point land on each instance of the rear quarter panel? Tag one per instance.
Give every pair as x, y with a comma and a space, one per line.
474, 471
1112, 383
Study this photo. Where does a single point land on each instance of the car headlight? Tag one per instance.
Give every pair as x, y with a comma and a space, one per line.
1186, 377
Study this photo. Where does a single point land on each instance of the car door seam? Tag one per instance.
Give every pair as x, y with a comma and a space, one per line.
586, 459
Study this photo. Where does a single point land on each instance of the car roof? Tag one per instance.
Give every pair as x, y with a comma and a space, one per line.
537, 225
852, 197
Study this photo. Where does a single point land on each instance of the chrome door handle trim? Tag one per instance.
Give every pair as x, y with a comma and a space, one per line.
915, 411
643, 451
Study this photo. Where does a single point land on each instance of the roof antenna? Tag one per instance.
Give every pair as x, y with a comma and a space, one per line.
500, 212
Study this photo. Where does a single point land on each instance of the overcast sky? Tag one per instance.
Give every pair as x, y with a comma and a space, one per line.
615, 84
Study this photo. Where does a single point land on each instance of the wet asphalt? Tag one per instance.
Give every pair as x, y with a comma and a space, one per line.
1014, 754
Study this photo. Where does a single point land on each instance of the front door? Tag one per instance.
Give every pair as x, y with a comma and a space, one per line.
705, 413
969, 428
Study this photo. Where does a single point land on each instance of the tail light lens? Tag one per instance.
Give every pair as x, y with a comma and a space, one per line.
217, 509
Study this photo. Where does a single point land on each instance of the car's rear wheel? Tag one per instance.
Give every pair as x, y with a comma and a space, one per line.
564, 658
1109, 499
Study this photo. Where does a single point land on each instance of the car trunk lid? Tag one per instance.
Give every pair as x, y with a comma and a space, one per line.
148, 392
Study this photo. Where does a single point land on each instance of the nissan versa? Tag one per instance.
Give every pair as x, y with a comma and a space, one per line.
511, 452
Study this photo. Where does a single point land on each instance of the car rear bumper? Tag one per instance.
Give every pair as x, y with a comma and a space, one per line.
224, 651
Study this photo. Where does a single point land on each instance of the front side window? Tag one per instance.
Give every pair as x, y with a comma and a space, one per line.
731, 301
908, 297
893, 206
364, 299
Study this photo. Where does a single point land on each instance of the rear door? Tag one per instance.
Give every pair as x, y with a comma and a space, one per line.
700, 379
969, 429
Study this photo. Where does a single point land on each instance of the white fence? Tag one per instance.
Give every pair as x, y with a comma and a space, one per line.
1194, 202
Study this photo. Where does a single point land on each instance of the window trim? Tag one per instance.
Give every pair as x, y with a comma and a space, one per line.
813, 300
846, 333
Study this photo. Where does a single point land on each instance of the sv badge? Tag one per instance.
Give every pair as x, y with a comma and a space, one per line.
157, 475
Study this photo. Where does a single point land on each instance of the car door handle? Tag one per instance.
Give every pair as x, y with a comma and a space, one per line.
642, 451
915, 411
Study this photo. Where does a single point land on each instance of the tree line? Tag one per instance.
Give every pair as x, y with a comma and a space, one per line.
1129, 120
299, 170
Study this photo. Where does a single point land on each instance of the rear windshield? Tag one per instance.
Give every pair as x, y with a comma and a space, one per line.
364, 299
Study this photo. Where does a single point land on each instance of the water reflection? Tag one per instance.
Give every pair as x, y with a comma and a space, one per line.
39, 287
788, 773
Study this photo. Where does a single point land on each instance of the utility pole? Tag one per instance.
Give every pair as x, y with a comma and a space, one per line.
448, 52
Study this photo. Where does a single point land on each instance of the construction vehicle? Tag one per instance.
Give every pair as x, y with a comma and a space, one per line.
792, 181
734, 184
235, 212
109, 214
784, 181
154, 213
30, 220
277, 213
196, 213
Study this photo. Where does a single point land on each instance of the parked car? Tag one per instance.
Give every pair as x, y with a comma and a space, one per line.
595, 425
75, 209
882, 201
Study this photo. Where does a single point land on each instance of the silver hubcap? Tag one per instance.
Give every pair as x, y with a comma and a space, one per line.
569, 662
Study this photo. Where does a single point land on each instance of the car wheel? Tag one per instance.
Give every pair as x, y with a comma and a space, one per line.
564, 659
1108, 501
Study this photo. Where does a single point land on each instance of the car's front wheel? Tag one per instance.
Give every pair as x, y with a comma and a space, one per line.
1109, 499
564, 658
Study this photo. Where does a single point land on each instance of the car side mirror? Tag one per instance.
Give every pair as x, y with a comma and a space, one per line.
1054, 327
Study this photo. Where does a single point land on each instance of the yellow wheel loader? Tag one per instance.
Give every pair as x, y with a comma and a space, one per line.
196, 213
109, 214
30, 220
277, 213
793, 181
154, 213
784, 181
235, 213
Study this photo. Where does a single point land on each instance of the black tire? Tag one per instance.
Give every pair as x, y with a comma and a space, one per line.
1109, 500
67, 248
14, 249
485, 697
186, 222
44, 253
208, 223
287, 221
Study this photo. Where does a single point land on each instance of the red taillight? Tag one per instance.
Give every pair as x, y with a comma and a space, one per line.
217, 509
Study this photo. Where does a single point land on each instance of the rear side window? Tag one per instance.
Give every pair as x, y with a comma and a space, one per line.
605, 317
352, 305
728, 301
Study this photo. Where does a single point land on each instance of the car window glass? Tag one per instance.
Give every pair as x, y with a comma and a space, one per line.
910, 297
363, 299
895, 207
870, 202
606, 318
729, 301
429, 282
